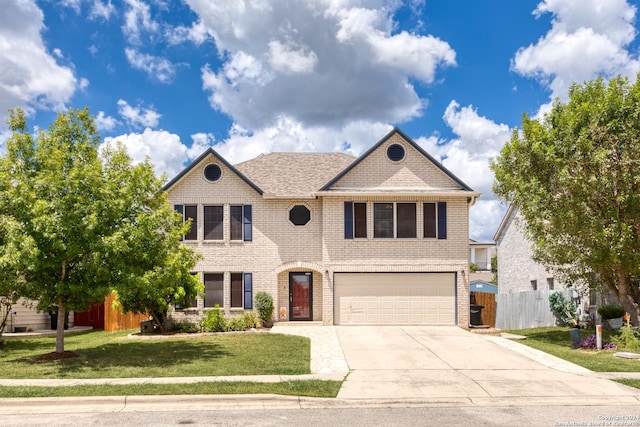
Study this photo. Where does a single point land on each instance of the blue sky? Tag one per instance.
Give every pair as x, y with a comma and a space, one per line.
171, 78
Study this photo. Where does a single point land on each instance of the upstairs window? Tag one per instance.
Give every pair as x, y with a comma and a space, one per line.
435, 220
355, 220
240, 225
394, 220
189, 213
213, 222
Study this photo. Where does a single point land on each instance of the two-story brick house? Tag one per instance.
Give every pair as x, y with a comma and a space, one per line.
379, 239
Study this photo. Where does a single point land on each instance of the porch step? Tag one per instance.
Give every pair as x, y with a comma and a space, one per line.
299, 323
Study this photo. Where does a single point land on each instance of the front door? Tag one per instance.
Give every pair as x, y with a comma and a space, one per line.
300, 296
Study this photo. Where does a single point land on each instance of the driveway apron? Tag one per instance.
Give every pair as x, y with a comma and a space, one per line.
440, 362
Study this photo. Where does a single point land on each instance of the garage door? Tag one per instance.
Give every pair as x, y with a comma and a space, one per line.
394, 299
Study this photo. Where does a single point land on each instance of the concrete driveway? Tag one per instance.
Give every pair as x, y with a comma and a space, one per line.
449, 363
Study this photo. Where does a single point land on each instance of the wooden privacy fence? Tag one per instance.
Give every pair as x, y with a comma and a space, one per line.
488, 301
104, 316
529, 309
115, 320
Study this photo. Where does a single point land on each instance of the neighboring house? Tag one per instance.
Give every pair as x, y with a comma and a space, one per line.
517, 271
24, 315
480, 254
523, 284
379, 239
482, 286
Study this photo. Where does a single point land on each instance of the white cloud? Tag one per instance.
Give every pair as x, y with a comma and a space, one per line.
157, 68
200, 142
291, 135
102, 10
288, 59
30, 77
83, 83
138, 116
485, 217
104, 122
197, 34
165, 150
587, 38
138, 20
478, 141
322, 63
73, 4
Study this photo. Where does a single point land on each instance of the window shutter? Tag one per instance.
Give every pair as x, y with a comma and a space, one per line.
248, 291
442, 220
246, 219
348, 220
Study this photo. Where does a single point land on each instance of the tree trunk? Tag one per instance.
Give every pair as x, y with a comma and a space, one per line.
62, 311
160, 321
625, 296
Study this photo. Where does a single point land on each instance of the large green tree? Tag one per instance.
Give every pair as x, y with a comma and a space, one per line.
13, 246
574, 176
95, 219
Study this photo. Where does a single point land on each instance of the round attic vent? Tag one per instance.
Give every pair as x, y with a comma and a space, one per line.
212, 173
395, 152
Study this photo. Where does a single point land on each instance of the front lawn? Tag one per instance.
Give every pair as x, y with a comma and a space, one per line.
113, 355
556, 341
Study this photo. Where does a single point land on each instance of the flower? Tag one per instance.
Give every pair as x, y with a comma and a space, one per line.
591, 342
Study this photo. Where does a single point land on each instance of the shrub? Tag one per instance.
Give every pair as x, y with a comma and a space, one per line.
264, 305
564, 310
250, 319
186, 327
235, 324
610, 311
214, 320
628, 339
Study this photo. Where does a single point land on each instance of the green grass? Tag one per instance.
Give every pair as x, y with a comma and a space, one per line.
557, 341
112, 355
310, 388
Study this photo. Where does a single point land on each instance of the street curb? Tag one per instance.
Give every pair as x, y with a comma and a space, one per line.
111, 404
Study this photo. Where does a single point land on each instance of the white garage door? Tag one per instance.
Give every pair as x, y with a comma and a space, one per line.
394, 298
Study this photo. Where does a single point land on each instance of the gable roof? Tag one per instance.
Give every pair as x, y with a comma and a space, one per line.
294, 174
412, 143
502, 227
210, 151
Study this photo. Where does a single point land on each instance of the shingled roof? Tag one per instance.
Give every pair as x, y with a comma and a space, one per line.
293, 174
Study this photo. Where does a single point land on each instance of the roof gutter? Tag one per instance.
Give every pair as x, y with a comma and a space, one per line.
470, 195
